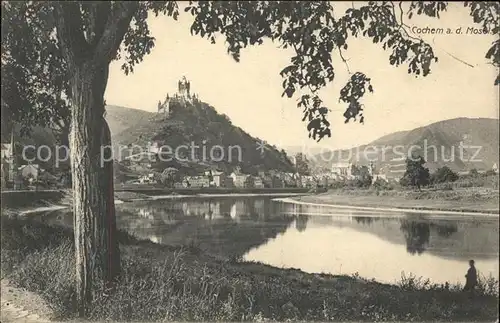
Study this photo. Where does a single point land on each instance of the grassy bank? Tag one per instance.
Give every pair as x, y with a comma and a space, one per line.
29, 199
172, 283
462, 200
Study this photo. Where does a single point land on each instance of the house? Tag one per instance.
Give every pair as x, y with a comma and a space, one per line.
228, 181
29, 171
267, 180
7, 163
179, 185
307, 181
277, 182
197, 181
239, 180
6, 172
393, 171
290, 179
218, 178
342, 170
6, 151
379, 174
382, 177
495, 168
257, 182
147, 179
324, 180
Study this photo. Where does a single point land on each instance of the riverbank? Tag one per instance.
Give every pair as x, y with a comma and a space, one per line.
151, 189
170, 283
464, 201
27, 200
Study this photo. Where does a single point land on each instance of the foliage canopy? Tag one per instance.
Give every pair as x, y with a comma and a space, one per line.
34, 67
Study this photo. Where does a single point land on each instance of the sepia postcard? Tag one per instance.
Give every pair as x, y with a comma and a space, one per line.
250, 161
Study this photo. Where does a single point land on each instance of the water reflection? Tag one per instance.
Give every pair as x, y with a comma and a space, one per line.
446, 231
341, 240
301, 222
313, 238
225, 226
364, 219
416, 235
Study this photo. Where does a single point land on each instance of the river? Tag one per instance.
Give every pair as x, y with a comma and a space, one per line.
375, 244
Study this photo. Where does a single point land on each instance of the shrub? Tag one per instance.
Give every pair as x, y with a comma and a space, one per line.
444, 175
490, 172
473, 173
381, 184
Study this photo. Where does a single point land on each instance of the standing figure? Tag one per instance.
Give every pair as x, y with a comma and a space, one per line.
471, 277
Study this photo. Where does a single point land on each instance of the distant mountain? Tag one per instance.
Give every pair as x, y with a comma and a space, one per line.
196, 123
120, 118
461, 144
294, 150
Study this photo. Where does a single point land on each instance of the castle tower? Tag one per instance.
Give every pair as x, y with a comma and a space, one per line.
184, 88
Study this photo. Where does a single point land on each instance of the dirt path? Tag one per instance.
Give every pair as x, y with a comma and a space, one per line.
19, 305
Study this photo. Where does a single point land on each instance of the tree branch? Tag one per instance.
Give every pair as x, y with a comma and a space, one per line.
401, 13
98, 16
453, 56
114, 30
70, 32
402, 25
344, 60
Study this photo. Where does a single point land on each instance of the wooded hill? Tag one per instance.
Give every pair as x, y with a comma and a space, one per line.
195, 123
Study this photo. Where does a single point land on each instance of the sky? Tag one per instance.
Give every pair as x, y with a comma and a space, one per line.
249, 92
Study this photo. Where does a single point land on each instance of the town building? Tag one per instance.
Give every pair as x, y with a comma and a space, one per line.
377, 174
307, 181
393, 171
290, 179
267, 180
228, 182
196, 181
147, 179
179, 185
239, 180
218, 178
342, 170
8, 168
257, 182
29, 171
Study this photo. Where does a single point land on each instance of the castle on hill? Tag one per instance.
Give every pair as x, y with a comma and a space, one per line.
182, 96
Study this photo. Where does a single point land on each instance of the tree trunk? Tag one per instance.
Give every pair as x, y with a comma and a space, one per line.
96, 248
